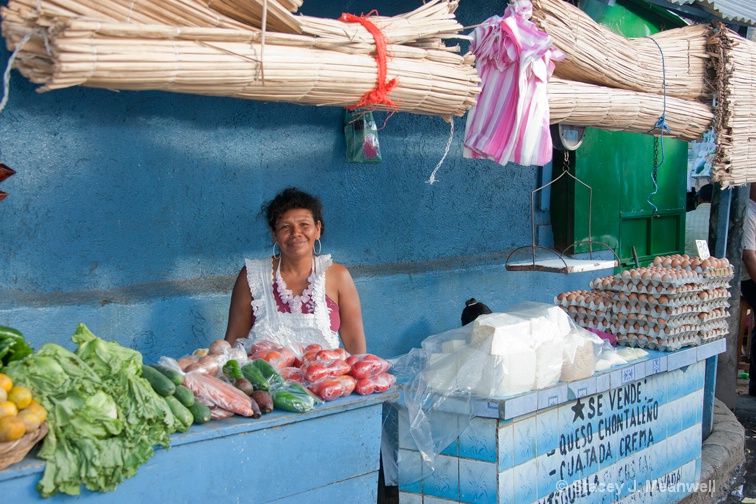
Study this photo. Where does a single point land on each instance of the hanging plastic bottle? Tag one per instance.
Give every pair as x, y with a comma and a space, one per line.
361, 135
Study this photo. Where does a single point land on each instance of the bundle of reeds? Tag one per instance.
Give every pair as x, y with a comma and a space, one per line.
222, 62
158, 46
581, 104
735, 153
597, 55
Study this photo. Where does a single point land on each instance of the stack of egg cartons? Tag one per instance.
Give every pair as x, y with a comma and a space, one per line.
715, 298
657, 307
590, 309
677, 301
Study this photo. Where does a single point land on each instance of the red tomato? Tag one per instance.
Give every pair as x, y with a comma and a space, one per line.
314, 371
352, 359
364, 387
292, 373
330, 388
348, 382
383, 382
369, 367
330, 354
313, 348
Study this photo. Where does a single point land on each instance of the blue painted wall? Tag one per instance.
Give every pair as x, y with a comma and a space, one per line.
132, 212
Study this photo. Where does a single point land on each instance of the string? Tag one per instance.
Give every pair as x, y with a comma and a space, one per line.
262, 39
432, 178
6, 75
378, 95
661, 125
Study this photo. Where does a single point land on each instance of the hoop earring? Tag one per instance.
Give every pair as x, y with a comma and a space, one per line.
276, 256
320, 247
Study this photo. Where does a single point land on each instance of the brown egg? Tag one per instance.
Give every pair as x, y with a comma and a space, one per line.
675, 263
658, 260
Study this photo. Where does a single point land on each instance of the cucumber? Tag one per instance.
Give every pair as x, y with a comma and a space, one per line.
288, 401
200, 412
176, 377
255, 376
181, 412
184, 395
160, 384
268, 371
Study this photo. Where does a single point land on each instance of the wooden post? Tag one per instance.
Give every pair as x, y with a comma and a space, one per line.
728, 213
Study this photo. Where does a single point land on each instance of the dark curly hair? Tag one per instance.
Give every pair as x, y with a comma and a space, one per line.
291, 198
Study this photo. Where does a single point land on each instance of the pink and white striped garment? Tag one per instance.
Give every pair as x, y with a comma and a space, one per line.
515, 60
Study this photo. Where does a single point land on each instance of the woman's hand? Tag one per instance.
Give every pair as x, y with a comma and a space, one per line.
341, 288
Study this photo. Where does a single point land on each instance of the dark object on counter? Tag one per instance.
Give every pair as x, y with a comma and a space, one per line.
473, 309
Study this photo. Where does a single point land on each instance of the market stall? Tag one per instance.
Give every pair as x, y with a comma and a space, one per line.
329, 454
603, 396
634, 430
111, 428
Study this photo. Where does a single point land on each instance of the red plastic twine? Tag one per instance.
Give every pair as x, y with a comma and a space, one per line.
379, 95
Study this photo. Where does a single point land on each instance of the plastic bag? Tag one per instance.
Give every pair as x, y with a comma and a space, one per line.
333, 387
499, 354
318, 369
212, 391
579, 357
366, 365
375, 384
361, 137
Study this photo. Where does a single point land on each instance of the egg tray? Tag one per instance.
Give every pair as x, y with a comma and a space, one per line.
668, 345
654, 331
717, 283
587, 312
658, 290
665, 277
661, 302
594, 323
726, 272
713, 335
601, 325
587, 299
655, 309
673, 323
602, 284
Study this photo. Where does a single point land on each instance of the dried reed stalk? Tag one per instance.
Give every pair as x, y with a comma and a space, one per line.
734, 160
184, 46
597, 55
581, 104
221, 62
250, 12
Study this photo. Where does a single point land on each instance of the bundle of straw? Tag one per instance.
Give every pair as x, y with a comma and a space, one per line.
275, 16
597, 55
181, 46
735, 153
581, 104
221, 62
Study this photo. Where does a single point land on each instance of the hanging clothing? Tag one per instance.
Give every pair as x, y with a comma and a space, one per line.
285, 328
510, 122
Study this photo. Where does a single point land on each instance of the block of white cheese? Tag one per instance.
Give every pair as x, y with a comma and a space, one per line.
441, 372
509, 365
547, 334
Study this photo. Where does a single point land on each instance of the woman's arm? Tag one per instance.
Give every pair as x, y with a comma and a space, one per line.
240, 310
352, 332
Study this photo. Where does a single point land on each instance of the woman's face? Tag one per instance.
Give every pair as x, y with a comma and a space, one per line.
296, 232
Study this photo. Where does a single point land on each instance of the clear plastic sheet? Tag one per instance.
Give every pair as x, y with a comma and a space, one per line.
527, 347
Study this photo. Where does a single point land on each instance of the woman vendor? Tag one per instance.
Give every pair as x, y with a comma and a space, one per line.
297, 296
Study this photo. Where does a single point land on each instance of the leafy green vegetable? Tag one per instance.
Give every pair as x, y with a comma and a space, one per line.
104, 418
13, 346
